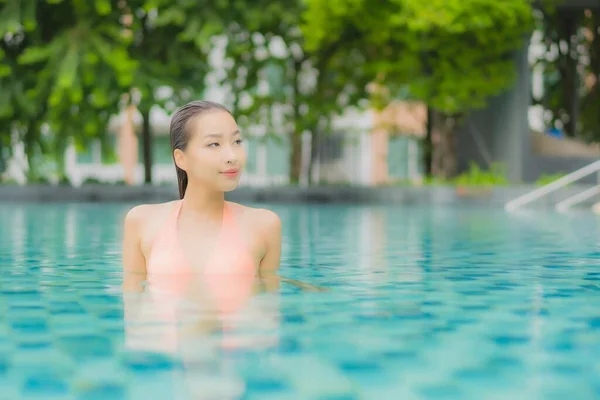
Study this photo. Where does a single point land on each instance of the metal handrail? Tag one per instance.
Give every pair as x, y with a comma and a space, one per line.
578, 198
551, 187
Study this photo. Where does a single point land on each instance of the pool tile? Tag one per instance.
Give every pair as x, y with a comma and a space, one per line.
510, 340
82, 347
67, 308
29, 326
44, 385
102, 392
265, 385
440, 391
319, 377
69, 325
38, 360
140, 362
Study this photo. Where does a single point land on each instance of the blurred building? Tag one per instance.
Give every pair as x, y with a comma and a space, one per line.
360, 151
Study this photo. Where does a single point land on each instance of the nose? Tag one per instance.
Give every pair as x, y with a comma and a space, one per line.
230, 155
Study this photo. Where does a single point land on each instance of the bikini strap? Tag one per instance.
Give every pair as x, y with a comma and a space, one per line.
169, 226
231, 223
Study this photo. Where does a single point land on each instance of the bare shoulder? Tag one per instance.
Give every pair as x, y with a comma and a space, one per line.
264, 218
147, 213
269, 221
263, 228
143, 222
146, 219
138, 213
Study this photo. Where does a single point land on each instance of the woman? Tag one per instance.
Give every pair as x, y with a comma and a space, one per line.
201, 234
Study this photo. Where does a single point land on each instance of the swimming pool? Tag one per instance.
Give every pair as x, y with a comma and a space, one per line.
422, 304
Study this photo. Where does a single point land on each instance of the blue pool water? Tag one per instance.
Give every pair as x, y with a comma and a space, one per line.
422, 304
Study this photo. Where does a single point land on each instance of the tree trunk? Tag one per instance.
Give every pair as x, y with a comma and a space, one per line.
593, 81
570, 78
61, 148
32, 136
296, 142
2, 157
147, 145
296, 158
443, 137
30, 141
314, 155
427, 145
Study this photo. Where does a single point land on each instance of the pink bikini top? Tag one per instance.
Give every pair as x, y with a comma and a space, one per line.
230, 269
230, 255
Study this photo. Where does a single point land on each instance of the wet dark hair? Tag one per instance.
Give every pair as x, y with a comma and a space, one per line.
180, 133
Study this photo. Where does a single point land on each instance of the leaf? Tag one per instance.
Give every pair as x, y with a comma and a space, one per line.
36, 54
451, 54
172, 15
99, 98
103, 7
68, 70
5, 70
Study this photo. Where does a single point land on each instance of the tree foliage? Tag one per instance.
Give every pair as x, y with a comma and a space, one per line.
570, 63
273, 81
64, 66
290, 65
168, 56
451, 54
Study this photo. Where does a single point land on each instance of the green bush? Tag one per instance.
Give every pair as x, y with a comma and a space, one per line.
475, 176
545, 179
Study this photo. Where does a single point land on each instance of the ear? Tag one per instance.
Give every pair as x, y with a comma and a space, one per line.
180, 160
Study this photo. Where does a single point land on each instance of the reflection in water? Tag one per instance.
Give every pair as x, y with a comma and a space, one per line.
19, 233
372, 241
70, 232
210, 304
215, 315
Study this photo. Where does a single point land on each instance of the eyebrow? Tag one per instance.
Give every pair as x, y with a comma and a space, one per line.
221, 135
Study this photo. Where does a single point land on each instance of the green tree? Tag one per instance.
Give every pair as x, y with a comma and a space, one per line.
167, 57
590, 104
64, 60
14, 105
66, 64
451, 54
571, 68
272, 79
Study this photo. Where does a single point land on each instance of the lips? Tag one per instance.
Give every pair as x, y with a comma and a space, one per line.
231, 172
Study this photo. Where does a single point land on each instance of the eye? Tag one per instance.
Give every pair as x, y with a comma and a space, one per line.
239, 141
213, 145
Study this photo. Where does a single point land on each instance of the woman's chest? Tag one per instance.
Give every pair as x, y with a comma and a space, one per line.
232, 252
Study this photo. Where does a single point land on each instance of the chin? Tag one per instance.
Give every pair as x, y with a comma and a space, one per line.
229, 186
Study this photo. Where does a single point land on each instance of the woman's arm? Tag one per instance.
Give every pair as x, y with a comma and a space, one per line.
134, 263
272, 233
270, 263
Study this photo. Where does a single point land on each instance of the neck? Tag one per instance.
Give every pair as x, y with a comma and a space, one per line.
203, 202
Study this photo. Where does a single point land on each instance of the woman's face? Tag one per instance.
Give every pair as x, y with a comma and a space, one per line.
214, 156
